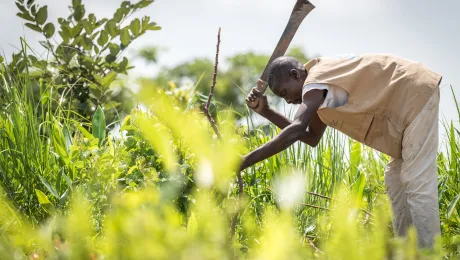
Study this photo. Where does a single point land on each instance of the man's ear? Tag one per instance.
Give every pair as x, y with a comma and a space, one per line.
294, 73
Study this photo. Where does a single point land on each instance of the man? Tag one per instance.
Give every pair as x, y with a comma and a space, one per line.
386, 102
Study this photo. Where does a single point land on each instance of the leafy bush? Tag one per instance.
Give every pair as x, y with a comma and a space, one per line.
87, 58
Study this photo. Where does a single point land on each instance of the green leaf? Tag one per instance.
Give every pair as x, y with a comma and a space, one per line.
92, 18
1, 59
153, 27
42, 198
126, 7
135, 27
76, 30
44, 201
124, 64
99, 125
125, 37
192, 225
107, 80
114, 49
76, 3
451, 207
145, 22
103, 38
34, 10
143, 3
34, 27
67, 138
21, 7
48, 186
86, 43
88, 26
111, 27
49, 30
85, 132
110, 58
65, 33
79, 13
42, 15
118, 15
26, 16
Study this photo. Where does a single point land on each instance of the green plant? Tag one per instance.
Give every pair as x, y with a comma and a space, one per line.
88, 56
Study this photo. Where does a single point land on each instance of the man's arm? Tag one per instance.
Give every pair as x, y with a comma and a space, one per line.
291, 133
311, 137
316, 127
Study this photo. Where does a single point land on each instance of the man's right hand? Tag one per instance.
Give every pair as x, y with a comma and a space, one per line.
257, 101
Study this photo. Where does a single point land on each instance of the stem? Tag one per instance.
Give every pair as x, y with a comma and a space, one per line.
206, 107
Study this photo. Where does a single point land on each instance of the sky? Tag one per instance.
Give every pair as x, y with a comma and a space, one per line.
427, 31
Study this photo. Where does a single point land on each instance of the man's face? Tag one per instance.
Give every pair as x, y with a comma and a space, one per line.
290, 90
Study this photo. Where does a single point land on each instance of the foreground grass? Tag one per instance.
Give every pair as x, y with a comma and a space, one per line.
166, 190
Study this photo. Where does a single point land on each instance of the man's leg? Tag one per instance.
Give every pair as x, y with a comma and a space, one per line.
396, 192
419, 171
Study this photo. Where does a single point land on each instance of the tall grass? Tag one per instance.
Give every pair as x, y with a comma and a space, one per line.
30, 136
76, 194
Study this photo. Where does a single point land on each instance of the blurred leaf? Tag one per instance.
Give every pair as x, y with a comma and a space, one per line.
49, 30
44, 201
67, 138
123, 64
452, 204
65, 33
76, 3
125, 37
135, 27
143, 3
48, 187
103, 38
110, 58
88, 26
34, 27
79, 13
111, 27
114, 49
21, 7
192, 225
42, 15
153, 27
125, 7
107, 80
26, 16
98, 125
118, 15
85, 132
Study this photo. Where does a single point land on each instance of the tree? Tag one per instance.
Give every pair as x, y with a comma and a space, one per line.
87, 58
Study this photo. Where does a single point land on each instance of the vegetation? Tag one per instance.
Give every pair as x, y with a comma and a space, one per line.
164, 187
87, 58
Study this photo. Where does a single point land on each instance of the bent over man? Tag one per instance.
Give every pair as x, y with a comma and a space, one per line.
385, 102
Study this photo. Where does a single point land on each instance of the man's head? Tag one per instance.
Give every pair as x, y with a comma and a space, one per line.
286, 78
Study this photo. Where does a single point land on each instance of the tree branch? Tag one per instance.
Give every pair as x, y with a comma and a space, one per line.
206, 107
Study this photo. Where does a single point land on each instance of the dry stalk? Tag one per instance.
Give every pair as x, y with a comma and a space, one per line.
206, 107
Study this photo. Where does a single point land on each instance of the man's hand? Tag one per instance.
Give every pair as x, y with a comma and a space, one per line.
256, 100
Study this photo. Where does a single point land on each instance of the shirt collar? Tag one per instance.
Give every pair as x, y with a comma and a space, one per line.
311, 63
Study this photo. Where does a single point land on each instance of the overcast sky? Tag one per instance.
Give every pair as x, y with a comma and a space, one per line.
426, 31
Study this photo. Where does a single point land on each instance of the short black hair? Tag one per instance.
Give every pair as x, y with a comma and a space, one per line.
279, 70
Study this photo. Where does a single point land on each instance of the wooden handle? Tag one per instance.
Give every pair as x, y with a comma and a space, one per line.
301, 9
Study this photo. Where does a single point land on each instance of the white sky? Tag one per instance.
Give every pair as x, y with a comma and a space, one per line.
426, 31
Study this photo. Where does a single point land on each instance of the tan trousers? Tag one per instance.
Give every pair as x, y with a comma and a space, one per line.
411, 182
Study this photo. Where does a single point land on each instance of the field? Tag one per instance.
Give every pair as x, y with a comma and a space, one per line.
156, 182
